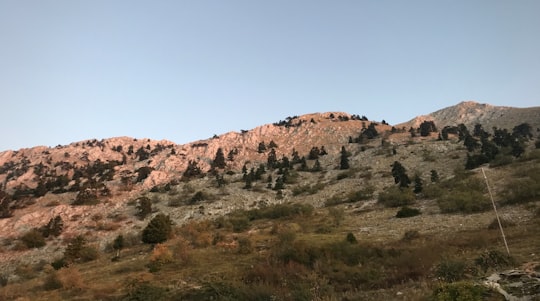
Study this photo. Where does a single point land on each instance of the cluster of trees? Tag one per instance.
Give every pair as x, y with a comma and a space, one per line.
484, 147
369, 132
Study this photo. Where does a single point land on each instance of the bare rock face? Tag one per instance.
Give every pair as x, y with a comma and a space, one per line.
471, 113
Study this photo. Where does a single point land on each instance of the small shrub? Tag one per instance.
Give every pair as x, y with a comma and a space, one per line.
361, 195
143, 291
407, 212
410, 235
450, 271
89, 253
160, 255
467, 201
52, 281
501, 160
459, 291
493, 259
395, 197
70, 278
244, 245
239, 223
350, 238
33, 239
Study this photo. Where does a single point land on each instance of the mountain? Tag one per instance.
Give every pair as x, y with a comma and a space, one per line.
260, 184
471, 113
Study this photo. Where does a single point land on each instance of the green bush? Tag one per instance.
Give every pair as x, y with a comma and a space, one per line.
459, 291
350, 238
239, 223
411, 235
493, 259
450, 270
363, 194
407, 212
33, 239
525, 188
52, 282
142, 291
395, 197
467, 201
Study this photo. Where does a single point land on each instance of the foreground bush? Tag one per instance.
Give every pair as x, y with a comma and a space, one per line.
407, 212
459, 291
464, 201
396, 197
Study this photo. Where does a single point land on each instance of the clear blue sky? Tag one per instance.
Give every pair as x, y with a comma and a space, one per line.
185, 70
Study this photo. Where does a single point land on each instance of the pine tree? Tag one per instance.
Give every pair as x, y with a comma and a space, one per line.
144, 207
118, 244
434, 176
74, 249
262, 147
219, 160
272, 159
400, 175
344, 161
158, 230
317, 166
417, 184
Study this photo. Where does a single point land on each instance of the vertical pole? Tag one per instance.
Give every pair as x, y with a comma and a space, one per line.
496, 214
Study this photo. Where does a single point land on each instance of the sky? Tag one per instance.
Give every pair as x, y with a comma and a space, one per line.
72, 70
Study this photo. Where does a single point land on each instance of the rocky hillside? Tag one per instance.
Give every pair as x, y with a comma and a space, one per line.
471, 113
323, 160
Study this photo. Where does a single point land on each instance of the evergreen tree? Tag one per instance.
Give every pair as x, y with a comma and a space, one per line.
192, 170
427, 127
313, 153
523, 130
74, 249
413, 132
262, 147
158, 230
317, 166
344, 160
470, 143
5, 208
219, 160
144, 207
54, 227
279, 184
295, 157
434, 176
303, 164
400, 175
272, 159
118, 244
285, 162
418, 184
272, 144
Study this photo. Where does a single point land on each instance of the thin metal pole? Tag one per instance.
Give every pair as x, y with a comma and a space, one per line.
496, 214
